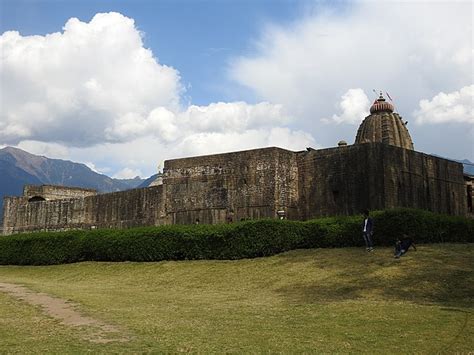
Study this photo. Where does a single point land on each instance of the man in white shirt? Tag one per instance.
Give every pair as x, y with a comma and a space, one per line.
368, 231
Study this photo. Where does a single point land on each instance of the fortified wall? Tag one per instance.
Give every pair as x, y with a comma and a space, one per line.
381, 170
125, 209
254, 184
233, 186
349, 179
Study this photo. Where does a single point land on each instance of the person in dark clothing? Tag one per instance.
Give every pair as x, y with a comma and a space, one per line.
368, 231
402, 246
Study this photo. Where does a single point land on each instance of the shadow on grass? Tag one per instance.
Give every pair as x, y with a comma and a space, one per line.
432, 275
454, 310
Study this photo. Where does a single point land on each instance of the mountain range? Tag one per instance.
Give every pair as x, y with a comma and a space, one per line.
19, 168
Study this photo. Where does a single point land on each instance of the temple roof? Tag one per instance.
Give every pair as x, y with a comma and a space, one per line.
384, 125
380, 105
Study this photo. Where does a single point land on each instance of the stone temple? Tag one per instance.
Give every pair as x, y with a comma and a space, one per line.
380, 170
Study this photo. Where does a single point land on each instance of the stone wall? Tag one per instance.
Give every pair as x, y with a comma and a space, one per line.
255, 184
132, 208
125, 209
233, 186
349, 179
343, 180
417, 180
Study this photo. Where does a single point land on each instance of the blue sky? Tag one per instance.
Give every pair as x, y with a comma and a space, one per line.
132, 83
197, 37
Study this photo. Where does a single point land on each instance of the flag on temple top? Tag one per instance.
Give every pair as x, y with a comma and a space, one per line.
388, 96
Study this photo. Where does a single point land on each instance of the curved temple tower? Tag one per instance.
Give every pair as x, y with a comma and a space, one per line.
385, 126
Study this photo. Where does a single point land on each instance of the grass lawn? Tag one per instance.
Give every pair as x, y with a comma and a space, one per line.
320, 300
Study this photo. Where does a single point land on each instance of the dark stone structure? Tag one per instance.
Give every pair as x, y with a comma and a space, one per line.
132, 208
381, 170
216, 188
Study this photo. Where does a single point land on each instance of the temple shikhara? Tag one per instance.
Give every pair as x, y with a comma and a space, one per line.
380, 170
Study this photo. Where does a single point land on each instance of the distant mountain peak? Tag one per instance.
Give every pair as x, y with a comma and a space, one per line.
26, 161
20, 152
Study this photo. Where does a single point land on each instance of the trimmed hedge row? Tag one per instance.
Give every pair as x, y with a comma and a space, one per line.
228, 241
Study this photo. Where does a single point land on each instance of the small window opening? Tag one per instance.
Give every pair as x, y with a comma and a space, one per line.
36, 199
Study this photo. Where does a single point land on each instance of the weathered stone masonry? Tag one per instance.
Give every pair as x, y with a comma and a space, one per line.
255, 184
248, 184
124, 209
347, 180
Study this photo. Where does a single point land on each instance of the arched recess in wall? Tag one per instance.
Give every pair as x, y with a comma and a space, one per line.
36, 199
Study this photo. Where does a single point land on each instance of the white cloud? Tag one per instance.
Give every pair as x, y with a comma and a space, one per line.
127, 173
368, 45
217, 142
234, 116
354, 105
92, 166
457, 106
292, 140
160, 122
94, 94
169, 127
73, 86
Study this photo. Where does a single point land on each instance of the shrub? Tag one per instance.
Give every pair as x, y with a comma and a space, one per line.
228, 241
423, 226
334, 232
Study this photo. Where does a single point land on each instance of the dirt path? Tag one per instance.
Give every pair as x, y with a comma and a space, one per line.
98, 331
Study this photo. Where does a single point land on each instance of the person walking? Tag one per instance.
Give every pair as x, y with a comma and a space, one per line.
368, 231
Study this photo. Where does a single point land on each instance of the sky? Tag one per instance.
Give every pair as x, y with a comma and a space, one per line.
123, 85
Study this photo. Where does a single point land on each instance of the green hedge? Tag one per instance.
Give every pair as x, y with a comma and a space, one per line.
228, 241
